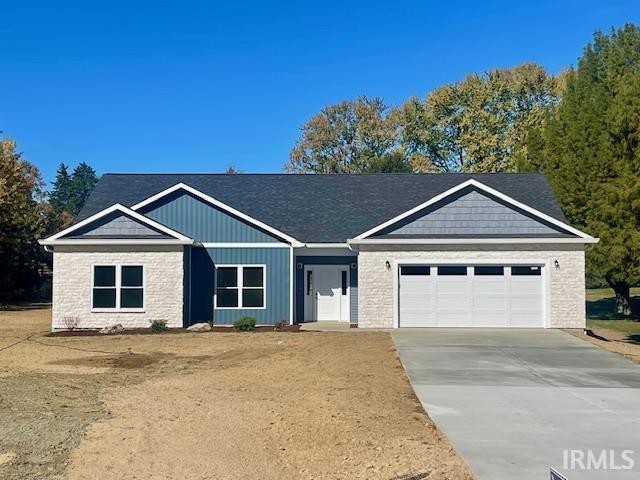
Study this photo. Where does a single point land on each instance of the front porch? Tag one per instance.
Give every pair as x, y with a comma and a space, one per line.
326, 289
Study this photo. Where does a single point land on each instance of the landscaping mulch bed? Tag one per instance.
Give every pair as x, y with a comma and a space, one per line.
148, 331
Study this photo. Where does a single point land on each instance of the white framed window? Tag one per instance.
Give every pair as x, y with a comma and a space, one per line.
240, 286
117, 288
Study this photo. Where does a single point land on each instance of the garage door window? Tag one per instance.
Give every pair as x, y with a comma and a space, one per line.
453, 270
488, 271
528, 270
414, 270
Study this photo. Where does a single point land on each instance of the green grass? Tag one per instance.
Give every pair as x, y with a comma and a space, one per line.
601, 312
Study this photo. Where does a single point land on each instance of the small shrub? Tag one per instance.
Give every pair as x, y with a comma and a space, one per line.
279, 325
245, 323
158, 326
71, 323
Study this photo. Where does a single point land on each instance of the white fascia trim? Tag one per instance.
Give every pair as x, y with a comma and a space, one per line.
114, 241
481, 186
219, 204
326, 245
127, 211
468, 241
244, 245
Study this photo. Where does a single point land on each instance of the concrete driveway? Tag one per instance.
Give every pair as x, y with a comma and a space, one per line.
512, 401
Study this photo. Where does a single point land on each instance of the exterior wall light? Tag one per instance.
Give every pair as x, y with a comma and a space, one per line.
387, 264
556, 263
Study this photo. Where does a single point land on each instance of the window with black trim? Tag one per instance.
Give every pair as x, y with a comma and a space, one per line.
526, 270
452, 270
240, 286
407, 270
118, 287
487, 270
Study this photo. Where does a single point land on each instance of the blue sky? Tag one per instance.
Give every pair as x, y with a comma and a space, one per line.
193, 86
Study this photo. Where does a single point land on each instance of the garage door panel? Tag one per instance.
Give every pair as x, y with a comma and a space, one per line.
490, 302
492, 298
451, 286
520, 285
454, 319
488, 287
526, 319
453, 302
491, 319
414, 288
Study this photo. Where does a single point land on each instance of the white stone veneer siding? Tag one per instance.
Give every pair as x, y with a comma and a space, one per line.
163, 280
566, 289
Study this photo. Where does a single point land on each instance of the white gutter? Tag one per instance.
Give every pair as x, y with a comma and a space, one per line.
467, 241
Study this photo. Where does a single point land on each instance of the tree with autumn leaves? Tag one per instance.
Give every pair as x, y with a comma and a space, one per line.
480, 124
22, 221
26, 216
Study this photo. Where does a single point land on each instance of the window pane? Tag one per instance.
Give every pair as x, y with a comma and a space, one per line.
252, 276
104, 298
253, 298
131, 298
131, 276
227, 297
414, 270
227, 277
479, 271
529, 270
104, 276
344, 282
457, 270
309, 282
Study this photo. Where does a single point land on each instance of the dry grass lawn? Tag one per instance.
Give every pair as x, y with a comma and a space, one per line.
210, 406
614, 333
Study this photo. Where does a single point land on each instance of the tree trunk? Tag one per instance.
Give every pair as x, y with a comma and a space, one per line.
623, 304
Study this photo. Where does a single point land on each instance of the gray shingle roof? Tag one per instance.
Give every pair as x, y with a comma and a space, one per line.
320, 208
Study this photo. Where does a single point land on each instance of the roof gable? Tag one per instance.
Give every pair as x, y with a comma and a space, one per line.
203, 221
116, 224
462, 187
471, 213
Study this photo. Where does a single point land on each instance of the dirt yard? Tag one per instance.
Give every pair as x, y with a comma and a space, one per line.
210, 406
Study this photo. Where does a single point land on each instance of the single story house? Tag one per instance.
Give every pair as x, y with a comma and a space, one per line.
375, 250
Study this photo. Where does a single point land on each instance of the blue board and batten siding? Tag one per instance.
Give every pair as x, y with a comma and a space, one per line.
278, 286
204, 222
207, 223
200, 296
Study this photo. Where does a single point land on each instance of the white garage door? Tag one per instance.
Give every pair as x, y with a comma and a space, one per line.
471, 296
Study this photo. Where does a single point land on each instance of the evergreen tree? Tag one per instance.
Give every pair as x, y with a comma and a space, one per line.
60, 196
591, 156
82, 182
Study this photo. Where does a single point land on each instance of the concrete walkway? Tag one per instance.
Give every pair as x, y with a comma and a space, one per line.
512, 401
